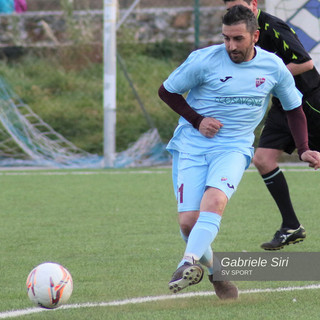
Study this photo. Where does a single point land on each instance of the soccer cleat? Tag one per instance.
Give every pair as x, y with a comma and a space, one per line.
225, 290
283, 237
186, 275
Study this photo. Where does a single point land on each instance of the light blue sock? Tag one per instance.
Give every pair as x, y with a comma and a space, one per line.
207, 257
207, 260
202, 235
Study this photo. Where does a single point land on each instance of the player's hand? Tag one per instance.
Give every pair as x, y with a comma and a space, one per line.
313, 157
209, 127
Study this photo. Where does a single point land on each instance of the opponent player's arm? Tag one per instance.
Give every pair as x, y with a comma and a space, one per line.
179, 104
298, 68
289, 48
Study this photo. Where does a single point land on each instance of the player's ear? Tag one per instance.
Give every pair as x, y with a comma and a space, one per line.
256, 35
255, 3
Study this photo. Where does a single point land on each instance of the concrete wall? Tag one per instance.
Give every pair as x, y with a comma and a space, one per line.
143, 25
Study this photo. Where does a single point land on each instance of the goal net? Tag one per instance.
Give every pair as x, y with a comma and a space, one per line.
25, 139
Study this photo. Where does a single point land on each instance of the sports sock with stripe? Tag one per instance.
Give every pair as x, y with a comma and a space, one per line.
278, 188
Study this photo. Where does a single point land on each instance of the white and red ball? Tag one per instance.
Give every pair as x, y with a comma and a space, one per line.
49, 285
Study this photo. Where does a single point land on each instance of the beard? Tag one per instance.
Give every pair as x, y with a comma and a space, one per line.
236, 56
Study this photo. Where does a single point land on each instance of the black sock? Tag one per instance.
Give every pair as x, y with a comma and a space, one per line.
277, 186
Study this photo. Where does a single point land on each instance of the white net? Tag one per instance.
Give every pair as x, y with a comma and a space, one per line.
25, 139
147, 151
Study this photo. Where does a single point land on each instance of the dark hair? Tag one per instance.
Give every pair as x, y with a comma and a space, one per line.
240, 14
247, 1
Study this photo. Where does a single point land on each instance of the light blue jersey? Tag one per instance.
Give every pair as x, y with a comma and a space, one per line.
235, 94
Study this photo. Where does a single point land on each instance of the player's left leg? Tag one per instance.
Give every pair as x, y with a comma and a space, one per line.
266, 161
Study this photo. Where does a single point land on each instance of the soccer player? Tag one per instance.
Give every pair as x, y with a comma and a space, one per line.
228, 87
277, 37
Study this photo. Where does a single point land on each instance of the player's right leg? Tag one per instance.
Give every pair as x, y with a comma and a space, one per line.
285, 236
275, 139
291, 231
189, 176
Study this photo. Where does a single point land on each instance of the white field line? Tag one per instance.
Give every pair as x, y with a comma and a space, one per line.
69, 172
19, 313
115, 172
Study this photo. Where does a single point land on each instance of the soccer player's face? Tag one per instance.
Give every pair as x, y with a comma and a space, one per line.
239, 42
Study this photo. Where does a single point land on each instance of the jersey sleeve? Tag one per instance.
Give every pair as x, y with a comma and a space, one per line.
187, 76
279, 38
286, 91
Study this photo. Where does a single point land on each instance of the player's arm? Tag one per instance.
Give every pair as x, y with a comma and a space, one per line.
298, 68
179, 104
288, 47
207, 126
298, 127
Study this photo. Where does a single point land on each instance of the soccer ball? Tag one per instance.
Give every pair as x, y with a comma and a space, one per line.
49, 285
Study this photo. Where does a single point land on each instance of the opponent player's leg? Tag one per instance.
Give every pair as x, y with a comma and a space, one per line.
275, 139
266, 161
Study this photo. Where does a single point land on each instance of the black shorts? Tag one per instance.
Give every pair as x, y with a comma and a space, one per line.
276, 133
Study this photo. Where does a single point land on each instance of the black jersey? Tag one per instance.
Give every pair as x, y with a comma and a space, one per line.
277, 37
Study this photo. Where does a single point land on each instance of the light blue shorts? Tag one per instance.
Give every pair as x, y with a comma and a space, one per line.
192, 174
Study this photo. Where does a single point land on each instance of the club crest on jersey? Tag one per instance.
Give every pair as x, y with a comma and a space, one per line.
260, 81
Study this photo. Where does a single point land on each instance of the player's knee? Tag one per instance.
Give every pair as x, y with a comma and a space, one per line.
257, 161
264, 162
187, 220
186, 229
261, 161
